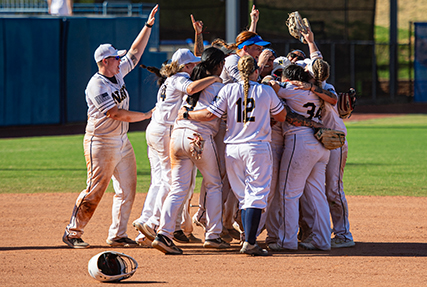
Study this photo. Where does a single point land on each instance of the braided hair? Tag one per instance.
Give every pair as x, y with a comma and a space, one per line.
155, 71
210, 60
247, 66
321, 71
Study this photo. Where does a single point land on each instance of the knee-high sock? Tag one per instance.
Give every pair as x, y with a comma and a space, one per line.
252, 218
243, 216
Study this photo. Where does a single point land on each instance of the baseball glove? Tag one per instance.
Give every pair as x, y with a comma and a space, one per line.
330, 139
346, 103
196, 146
296, 25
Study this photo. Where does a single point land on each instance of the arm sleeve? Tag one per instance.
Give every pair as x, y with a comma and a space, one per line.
232, 69
219, 106
126, 65
101, 97
316, 55
181, 83
276, 105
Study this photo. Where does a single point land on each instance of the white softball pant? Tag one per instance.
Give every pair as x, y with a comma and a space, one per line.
150, 199
335, 192
230, 203
335, 195
302, 169
272, 216
158, 140
249, 171
182, 168
106, 159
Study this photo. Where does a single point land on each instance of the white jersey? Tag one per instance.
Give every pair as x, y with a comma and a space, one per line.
262, 100
330, 116
169, 98
101, 96
206, 98
301, 102
230, 72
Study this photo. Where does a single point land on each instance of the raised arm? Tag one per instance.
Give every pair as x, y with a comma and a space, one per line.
139, 44
254, 19
198, 42
70, 7
312, 47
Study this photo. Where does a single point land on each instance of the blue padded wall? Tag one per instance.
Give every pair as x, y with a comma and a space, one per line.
420, 63
47, 63
31, 71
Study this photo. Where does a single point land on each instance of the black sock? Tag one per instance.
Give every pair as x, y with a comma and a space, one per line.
252, 218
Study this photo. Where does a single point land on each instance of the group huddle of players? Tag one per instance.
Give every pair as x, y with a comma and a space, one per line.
245, 118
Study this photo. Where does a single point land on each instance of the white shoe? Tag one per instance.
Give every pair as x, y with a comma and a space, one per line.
341, 242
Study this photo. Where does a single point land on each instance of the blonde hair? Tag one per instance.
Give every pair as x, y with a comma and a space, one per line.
321, 71
171, 69
246, 66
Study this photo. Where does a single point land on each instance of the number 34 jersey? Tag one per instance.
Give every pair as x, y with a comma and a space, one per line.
251, 123
302, 102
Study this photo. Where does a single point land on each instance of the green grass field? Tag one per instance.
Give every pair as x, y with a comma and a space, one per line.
386, 157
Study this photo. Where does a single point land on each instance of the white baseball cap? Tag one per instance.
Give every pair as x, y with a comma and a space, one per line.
184, 56
280, 63
107, 50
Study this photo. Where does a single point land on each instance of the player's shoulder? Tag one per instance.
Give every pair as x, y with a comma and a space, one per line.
97, 80
232, 60
179, 77
216, 86
329, 88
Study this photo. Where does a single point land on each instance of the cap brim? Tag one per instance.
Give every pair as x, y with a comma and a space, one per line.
196, 59
262, 43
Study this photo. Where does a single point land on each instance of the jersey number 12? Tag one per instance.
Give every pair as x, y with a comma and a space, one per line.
249, 108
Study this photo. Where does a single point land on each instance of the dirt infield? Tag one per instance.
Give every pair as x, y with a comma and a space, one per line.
390, 235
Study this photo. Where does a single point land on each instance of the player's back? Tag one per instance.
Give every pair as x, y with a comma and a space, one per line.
255, 126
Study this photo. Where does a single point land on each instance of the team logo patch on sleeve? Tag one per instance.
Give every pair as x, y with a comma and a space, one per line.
101, 98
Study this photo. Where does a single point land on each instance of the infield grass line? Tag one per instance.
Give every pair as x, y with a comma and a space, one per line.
387, 157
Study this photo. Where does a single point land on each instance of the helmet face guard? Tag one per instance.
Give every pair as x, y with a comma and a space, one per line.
111, 266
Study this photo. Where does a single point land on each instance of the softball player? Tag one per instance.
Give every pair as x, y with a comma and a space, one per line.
186, 136
169, 100
303, 167
335, 168
247, 143
108, 152
247, 44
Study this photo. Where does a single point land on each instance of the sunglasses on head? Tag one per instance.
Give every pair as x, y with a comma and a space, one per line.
300, 58
115, 57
